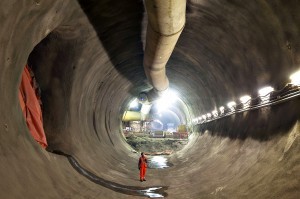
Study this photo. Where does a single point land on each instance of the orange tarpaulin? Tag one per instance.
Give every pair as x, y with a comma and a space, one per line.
31, 108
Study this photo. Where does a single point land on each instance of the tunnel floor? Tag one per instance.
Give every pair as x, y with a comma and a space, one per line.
223, 166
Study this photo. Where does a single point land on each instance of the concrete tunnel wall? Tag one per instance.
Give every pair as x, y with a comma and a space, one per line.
87, 57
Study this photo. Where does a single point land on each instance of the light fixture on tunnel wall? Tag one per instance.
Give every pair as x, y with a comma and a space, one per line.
134, 103
196, 121
267, 96
222, 109
231, 105
208, 115
215, 113
167, 99
295, 78
199, 120
245, 100
264, 93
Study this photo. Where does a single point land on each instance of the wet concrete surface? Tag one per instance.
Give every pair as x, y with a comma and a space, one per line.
150, 192
158, 162
87, 57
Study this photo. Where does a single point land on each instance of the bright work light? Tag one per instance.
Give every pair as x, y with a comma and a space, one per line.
295, 78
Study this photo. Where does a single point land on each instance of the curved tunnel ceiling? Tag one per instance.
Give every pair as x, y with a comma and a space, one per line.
88, 59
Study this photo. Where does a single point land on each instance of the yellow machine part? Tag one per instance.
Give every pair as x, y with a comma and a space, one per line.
131, 116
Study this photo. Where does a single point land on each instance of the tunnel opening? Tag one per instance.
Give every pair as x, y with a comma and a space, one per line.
55, 79
159, 127
51, 65
53, 61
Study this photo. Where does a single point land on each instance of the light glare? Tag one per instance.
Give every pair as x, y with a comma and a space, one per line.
245, 99
222, 109
199, 119
264, 94
145, 109
295, 78
134, 103
231, 104
167, 98
215, 113
265, 91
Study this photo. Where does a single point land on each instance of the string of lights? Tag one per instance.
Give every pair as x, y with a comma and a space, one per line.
267, 96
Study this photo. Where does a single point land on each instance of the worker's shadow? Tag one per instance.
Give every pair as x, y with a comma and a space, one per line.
118, 25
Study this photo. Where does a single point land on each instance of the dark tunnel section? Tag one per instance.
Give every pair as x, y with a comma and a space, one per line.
53, 63
87, 58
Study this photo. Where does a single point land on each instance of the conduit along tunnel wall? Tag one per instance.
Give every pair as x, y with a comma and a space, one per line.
87, 57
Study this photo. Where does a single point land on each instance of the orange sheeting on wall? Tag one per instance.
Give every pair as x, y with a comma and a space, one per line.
31, 108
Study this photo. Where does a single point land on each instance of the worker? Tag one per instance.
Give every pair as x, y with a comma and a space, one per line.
142, 167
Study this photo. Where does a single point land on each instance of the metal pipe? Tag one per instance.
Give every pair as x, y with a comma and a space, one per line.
166, 19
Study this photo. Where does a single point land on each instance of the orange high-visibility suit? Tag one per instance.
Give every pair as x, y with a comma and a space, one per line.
142, 167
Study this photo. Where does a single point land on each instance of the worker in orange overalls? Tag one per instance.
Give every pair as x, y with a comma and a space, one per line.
142, 167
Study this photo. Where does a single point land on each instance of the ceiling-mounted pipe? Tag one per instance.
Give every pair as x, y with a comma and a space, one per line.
166, 19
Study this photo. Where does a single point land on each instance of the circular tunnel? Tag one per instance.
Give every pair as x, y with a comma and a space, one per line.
87, 57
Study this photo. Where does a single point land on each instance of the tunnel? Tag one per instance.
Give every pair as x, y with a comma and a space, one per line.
87, 57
